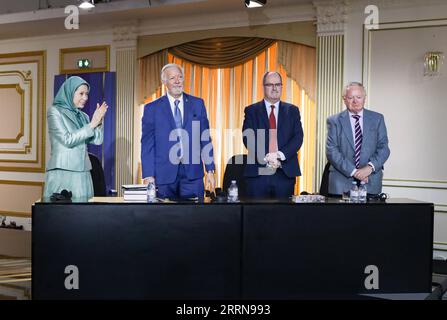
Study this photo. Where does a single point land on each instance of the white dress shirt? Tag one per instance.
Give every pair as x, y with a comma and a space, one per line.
180, 105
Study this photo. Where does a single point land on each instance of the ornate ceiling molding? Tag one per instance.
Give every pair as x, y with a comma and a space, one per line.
331, 16
126, 35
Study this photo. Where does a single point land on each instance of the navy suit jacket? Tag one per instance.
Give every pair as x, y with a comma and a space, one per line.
158, 123
289, 135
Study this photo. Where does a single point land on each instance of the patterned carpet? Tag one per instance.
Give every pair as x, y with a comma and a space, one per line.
15, 278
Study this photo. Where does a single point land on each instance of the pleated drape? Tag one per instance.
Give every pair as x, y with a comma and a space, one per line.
221, 52
227, 91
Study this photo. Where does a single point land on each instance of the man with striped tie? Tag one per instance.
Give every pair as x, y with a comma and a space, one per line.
357, 144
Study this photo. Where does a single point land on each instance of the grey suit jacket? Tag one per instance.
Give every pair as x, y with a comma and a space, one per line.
340, 150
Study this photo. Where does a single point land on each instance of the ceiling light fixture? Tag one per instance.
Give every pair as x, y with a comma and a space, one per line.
87, 4
255, 3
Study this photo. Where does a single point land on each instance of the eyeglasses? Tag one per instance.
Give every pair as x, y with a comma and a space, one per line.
175, 78
271, 85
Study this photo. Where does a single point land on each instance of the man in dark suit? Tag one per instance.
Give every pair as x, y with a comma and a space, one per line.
357, 144
175, 141
272, 134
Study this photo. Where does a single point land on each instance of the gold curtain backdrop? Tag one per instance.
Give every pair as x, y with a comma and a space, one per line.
227, 91
224, 52
299, 61
149, 78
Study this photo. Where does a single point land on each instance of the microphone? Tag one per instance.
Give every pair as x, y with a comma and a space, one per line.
64, 196
381, 196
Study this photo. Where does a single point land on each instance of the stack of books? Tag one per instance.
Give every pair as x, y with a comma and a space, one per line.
134, 192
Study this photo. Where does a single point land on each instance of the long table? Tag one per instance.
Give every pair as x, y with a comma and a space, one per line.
111, 249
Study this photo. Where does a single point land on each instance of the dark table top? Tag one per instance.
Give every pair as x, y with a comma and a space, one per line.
327, 201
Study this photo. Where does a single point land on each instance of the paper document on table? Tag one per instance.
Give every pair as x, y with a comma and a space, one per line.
134, 186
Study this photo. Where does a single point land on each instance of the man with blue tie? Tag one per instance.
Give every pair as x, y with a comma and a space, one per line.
357, 144
175, 141
272, 134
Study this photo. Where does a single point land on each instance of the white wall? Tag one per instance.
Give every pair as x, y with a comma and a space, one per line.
403, 10
390, 63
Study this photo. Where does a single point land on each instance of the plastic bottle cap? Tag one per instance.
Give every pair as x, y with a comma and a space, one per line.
233, 181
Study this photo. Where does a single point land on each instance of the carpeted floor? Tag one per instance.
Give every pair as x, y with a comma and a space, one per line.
15, 278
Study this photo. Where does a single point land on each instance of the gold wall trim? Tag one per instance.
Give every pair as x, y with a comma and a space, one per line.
16, 280
21, 54
15, 275
22, 183
62, 52
413, 187
413, 21
41, 63
414, 180
44, 111
22, 112
22, 169
27, 146
409, 27
16, 214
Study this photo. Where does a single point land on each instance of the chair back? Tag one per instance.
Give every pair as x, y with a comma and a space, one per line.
234, 170
97, 172
324, 186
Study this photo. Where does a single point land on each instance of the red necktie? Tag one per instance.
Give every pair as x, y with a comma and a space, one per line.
273, 144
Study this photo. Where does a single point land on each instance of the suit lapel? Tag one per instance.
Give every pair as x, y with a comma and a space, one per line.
347, 129
187, 109
70, 115
166, 106
262, 113
282, 120
366, 128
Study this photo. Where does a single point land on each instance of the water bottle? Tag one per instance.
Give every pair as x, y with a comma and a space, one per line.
354, 192
362, 192
233, 192
151, 192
